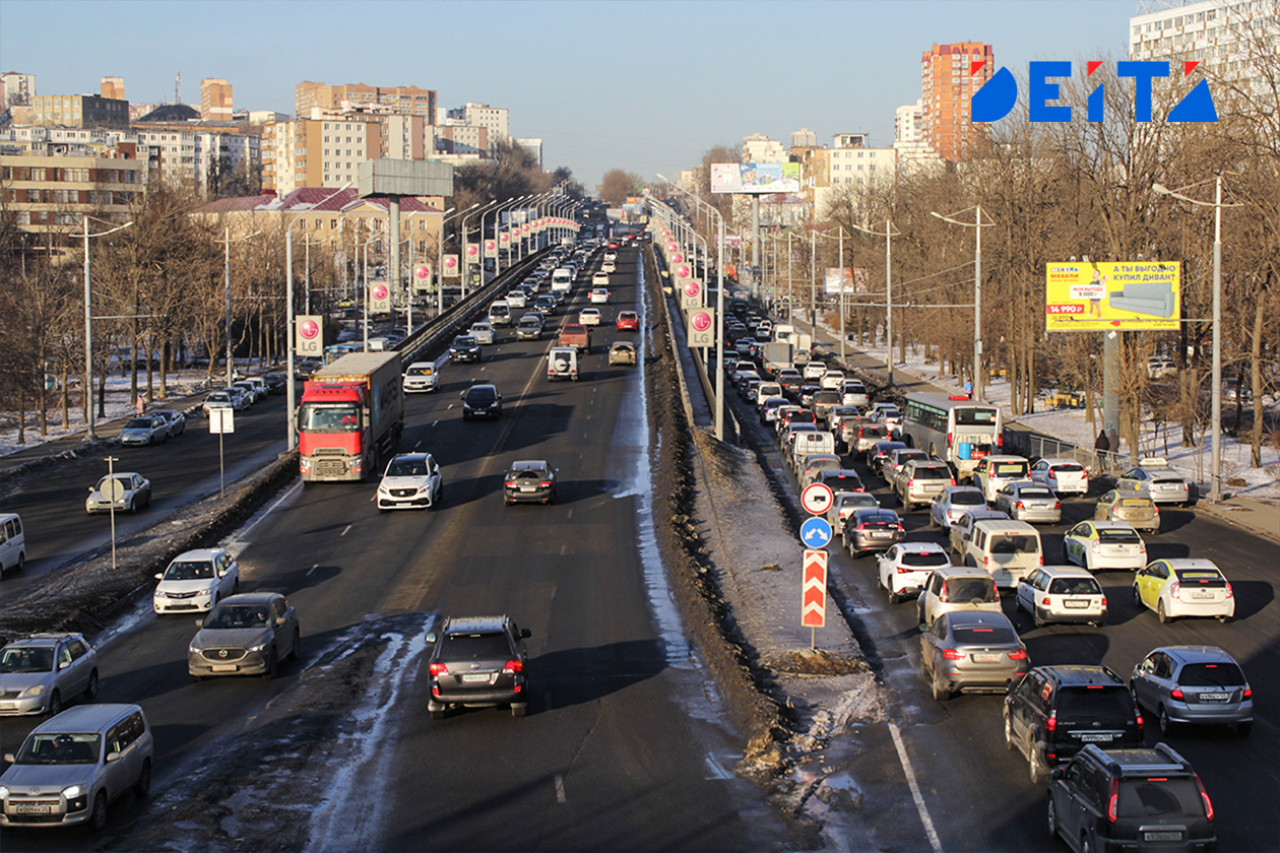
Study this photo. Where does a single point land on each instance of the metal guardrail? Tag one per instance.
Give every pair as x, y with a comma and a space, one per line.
445, 326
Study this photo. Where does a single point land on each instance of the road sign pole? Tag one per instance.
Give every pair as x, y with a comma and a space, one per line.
222, 470
114, 487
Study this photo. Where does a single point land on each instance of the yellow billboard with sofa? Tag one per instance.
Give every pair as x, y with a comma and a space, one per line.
1124, 295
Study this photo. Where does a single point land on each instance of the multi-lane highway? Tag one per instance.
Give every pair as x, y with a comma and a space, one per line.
623, 747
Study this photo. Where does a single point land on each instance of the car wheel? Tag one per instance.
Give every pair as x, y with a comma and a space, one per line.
235, 587
1166, 725
1008, 733
1161, 615
436, 710
273, 665
1039, 771
1137, 597
519, 709
1086, 846
893, 596
133, 507
22, 563
213, 601
940, 691
55, 703
143, 786
98, 817
297, 644
196, 679
1036, 621
1052, 819
91, 691
924, 668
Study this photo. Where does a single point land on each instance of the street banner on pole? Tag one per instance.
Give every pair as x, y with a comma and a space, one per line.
702, 328
309, 335
379, 297
450, 264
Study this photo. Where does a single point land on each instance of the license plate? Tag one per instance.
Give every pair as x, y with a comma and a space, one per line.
1162, 836
527, 488
986, 657
1091, 737
1078, 604
474, 678
876, 534
32, 808
1214, 697
223, 667
8, 706
1201, 593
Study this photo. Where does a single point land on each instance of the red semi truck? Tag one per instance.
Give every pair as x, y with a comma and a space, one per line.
350, 418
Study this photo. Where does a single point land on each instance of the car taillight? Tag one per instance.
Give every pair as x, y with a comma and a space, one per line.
545, 484
953, 481
904, 570
1000, 440
986, 560
948, 439
1177, 693
1057, 504
513, 666
510, 484
1230, 593
952, 654
1021, 505
1248, 693
1175, 589
1113, 800
1140, 723
439, 669
911, 482
1020, 654
1046, 601
1095, 546
1204, 795
995, 590
1051, 724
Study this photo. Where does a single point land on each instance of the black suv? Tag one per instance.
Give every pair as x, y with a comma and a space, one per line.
464, 348
478, 661
1130, 799
1052, 712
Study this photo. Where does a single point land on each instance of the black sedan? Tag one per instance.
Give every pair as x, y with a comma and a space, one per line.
464, 348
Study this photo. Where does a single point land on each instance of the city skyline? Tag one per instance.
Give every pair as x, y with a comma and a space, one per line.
646, 87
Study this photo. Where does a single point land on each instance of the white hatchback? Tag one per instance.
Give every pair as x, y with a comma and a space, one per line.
1063, 476
905, 568
589, 316
195, 581
1099, 545
600, 279
599, 296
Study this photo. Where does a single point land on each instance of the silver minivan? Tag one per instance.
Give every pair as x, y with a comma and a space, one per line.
13, 542
73, 765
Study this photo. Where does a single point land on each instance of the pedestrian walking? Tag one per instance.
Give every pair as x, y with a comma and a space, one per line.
1101, 447
141, 405
968, 388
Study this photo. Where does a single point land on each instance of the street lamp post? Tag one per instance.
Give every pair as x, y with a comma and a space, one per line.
888, 287
1215, 462
226, 245
497, 223
86, 392
978, 379
462, 245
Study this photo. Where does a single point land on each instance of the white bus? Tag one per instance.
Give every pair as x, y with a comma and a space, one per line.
957, 430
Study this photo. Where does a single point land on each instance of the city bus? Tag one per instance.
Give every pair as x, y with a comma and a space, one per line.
955, 429
333, 352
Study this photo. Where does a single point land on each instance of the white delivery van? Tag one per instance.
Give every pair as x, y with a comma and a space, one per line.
818, 441
500, 313
1006, 550
13, 543
562, 280
562, 363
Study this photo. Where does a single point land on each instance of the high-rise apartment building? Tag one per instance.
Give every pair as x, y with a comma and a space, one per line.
317, 152
496, 119
914, 153
1228, 36
215, 100
758, 148
949, 75
849, 167
79, 111
409, 100
804, 138
16, 88
111, 87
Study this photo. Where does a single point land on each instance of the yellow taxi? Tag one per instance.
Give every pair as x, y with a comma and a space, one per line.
1137, 510
1184, 587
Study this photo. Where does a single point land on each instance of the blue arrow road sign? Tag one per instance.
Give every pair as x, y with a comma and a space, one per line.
815, 532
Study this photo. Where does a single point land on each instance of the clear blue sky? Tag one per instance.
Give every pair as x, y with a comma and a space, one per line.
642, 85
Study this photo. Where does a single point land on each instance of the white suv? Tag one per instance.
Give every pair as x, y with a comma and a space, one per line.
905, 568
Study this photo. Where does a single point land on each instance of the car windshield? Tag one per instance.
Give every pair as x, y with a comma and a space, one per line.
1075, 586
965, 635
1035, 493
60, 748
1210, 675
967, 499
465, 341
124, 484
1009, 469
189, 570
138, 423
1119, 536
218, 397
1108, 703
330, 418
970, 589
459, 647
924, 558
421, 371
1066, 468
480, 396
20, 659
932, 472
1151, 797
407, 468
1014, 544
230, 616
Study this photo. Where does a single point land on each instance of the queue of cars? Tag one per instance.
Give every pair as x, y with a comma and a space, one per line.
1080, 727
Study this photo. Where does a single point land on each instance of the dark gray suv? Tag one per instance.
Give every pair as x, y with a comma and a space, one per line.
478, 661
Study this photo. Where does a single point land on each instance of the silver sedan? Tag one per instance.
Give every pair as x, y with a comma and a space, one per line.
955, 502
1027, 501
968, 651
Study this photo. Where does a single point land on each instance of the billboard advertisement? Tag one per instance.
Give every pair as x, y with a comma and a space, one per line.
855, 280
1124, 295
755, 177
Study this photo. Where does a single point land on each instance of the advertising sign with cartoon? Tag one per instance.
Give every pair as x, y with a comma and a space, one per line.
1126, 296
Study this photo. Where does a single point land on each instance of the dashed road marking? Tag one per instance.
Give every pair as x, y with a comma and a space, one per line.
312, 569
344, 530
433, 423
560, 797
569, 514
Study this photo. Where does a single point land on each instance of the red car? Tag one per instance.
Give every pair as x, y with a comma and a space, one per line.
628, 321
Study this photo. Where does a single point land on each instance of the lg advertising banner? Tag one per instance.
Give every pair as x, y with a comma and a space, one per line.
504, 239
308, 338
380, 297
450, 264
490, 248
1127, 296
472, 251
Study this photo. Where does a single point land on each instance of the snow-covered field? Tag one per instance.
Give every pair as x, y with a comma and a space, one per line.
1070, 425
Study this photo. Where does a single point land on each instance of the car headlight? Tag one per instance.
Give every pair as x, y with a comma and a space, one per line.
194, 648
4, 793
259, 646
36, 690
73, 791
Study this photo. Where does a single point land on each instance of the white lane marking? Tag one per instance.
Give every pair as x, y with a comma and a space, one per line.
934, 842
312, 569
569, 514
563, 549
560, 797
416, 446
585, 434
344, 530
433, 423
241, 533
450, 406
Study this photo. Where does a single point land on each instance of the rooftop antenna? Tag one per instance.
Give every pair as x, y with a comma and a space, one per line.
177, 89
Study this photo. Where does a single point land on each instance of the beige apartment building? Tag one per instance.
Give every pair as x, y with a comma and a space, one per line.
111, 87
215, 100
409, 100
317, 152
